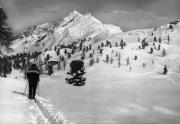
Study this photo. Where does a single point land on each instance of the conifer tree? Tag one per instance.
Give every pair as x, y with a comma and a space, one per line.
97, 59
168, 37
77, 71
119, 59
160, 40
5, 31
91, 62
107, 58
155, 39
151, 50
58, 52
163, 53
111, 60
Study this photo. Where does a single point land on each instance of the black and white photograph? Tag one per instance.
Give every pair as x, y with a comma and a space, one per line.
89, 61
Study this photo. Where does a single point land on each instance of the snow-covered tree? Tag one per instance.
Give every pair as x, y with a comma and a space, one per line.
102, 45
163, 53
116, 44
119, 59
90, 55
58, 52
101, 51
55, 48
69, 55
99, 47
111, 60
110, 46
47, 57
168, 38
64, 64
160, 40
59, 64
90, 46
116, 54
155, 39
143, 64
171, 27
139, 39
91, 62
5, 31
159, 47
122, 44
97, 59
77, 71
127, 61
81, 45
151, 50
107, 58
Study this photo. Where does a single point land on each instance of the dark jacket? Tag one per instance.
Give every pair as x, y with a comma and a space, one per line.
33, 74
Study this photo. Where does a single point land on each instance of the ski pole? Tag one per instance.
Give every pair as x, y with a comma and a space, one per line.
26, 88
38, 89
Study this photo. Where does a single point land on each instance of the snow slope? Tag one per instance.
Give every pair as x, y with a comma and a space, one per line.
115, 96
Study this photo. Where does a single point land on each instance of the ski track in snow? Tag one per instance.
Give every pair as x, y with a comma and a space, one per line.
30, 112
166, 111
138, 110
34, 111
129, 109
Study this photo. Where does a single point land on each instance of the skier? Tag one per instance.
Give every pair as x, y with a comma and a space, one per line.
33, 79
165, 69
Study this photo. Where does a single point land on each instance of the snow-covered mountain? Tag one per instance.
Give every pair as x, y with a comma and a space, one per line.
77, 27
72, 28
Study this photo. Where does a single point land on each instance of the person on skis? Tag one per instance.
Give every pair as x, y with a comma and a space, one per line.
33, 79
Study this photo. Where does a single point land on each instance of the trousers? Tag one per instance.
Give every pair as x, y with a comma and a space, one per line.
32, 88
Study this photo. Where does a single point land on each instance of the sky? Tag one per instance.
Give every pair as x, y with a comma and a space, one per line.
128, 14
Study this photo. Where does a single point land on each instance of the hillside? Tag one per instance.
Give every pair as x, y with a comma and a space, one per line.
77, 29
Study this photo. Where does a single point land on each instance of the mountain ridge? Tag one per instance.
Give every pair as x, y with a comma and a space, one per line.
71, 28
76, 27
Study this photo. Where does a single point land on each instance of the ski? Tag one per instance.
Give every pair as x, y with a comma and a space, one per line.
20, 93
